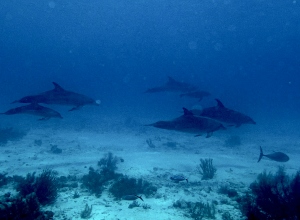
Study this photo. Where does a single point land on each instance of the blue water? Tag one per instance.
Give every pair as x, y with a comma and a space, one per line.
245, 53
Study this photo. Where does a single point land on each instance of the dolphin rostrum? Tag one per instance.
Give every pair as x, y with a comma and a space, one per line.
190, 124
60, 96
226, 115
34, 109
173, 86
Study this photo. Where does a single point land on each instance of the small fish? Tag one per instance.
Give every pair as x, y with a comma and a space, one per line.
178, 178
276, 156
132, 197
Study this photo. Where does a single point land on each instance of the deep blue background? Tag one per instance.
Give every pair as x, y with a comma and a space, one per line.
246, 53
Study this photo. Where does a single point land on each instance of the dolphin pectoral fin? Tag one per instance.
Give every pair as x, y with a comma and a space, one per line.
198, 135
75, 108
209, 134
16, 101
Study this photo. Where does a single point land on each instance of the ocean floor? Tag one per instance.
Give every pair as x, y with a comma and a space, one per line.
234, 153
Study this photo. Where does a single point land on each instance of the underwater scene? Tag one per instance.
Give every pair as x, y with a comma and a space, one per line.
150, 109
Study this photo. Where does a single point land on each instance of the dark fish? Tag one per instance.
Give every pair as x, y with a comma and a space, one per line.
132, 197
34, 109
190, 124
178, 178
226, 115
60, 96
196, 94
277, 156
173, 86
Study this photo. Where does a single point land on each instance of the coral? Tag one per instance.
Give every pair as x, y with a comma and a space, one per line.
227, 216
199, 210
134, 204
150, 143
55, 150
131, 186
93, 182
87, 212
273, 196
206, 169
26, 208
3, 179
109, 162
228, 191
9, 134
95, 179
44, 186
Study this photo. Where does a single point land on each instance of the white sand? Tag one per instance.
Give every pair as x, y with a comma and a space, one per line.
236, 166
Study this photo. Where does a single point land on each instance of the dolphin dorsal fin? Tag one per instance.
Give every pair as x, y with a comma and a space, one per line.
220, 104
57, 87
187, 112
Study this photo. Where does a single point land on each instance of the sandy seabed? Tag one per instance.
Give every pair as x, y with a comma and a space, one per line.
174, 153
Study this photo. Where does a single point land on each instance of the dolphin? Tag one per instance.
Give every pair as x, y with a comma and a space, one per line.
172, 86
190, 124
225, 115
60, 96
34, 109
277, 156
198, 94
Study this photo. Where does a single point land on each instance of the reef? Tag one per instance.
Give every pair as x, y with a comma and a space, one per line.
26, 208
273, 196
206, 169
44, 186
131, 186
96, 179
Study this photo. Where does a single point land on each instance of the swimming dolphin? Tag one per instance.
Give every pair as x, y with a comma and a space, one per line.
172, 86
198, 94
34, 109
60, 96
277, 156
190, 124
225, 115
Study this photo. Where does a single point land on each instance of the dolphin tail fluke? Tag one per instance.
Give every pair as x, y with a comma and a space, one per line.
139, 197
261, 154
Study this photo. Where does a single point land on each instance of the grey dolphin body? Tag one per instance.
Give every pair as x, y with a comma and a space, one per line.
276, 156
226, 115
173, 86
34, 109
198, 94
189, 123
60, 96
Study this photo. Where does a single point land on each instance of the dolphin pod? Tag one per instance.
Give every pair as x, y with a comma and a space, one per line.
57, 96
189, 123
